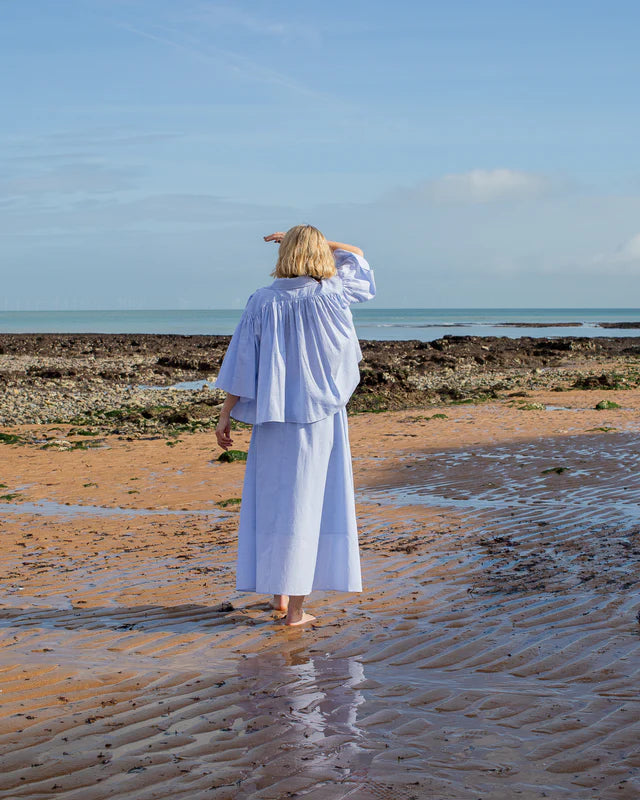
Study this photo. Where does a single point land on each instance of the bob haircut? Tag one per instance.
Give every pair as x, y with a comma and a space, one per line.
304, 251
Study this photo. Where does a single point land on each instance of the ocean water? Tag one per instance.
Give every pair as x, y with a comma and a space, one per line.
424, 324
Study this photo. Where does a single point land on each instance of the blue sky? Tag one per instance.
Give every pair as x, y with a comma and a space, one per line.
481, 153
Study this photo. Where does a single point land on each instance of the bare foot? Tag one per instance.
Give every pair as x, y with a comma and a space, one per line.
303, 619
280, 602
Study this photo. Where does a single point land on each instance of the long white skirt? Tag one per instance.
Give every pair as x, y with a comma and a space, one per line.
298, 528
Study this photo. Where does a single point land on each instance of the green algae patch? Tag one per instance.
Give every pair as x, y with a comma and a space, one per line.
606, 405
472, 401
531, 407
524, 405
9, 497
236, 425
64, 445
232, 455
10, 438
86, 444
370, 403
603, 429
230, 501
557, 470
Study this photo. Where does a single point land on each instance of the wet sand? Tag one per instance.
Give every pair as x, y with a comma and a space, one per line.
493, 654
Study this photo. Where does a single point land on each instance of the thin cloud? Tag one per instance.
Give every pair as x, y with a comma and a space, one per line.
70, 179
231, 16
625, 257
76, 146
630, 250
226, 59
173, 211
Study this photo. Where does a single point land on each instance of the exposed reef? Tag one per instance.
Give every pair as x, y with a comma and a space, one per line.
126, 383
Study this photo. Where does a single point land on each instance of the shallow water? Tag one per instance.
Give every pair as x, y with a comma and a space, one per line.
370, 321
183, 385
50, 508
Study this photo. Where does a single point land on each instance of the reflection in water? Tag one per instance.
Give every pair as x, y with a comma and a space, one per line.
316, 691
304, 708
329, 685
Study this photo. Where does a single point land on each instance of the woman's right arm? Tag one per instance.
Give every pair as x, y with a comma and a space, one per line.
355, 274
350, 248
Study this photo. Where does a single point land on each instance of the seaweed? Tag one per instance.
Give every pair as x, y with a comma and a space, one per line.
10, 438
230, 501
232, 455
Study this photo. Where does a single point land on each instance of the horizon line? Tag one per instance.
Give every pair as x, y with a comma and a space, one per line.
354, 305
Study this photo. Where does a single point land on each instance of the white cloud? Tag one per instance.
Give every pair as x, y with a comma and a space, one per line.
477, 186
486, 185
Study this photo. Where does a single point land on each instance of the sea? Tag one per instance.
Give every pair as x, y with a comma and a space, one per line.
425, 324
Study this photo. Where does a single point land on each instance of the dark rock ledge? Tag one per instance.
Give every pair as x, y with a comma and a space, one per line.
97, 380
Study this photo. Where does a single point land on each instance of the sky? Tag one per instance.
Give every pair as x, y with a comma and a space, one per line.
482, 154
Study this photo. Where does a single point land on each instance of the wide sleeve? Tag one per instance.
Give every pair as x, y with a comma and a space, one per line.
239, 370
356, 276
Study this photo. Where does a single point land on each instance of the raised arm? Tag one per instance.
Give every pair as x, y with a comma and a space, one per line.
350, 248
352, 269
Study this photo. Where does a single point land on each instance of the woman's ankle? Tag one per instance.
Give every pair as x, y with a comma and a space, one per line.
295, 604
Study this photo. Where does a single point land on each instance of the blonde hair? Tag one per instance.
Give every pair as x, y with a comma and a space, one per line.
304, 251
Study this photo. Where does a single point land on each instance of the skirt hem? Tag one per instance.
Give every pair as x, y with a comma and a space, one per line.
296, 593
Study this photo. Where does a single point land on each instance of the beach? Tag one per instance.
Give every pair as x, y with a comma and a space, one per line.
494, 651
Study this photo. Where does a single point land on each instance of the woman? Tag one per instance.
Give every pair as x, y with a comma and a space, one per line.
289, 370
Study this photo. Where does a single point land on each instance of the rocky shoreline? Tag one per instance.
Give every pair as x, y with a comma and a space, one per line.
125, 383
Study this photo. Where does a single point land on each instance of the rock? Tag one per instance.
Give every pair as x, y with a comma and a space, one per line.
603, 381
605, 405
66, 376
176, 418
57, 444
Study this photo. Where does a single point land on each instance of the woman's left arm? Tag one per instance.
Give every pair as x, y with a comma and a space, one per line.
223, 428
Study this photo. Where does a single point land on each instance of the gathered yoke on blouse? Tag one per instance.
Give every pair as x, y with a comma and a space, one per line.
294, 354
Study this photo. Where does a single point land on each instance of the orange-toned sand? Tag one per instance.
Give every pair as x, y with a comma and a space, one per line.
493, 654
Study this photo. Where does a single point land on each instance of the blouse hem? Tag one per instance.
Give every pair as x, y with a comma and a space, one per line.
250, 419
